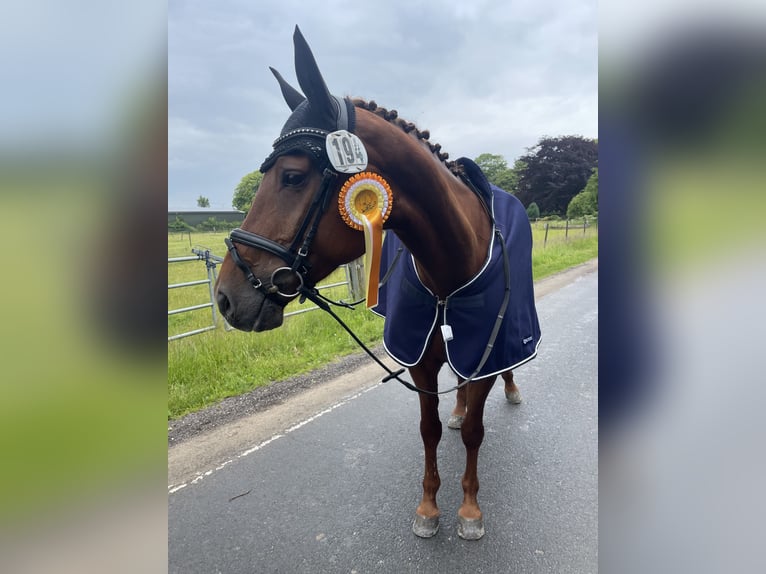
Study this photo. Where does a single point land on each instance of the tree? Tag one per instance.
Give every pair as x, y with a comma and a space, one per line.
592, 186
245, 191
533, 212
585, 202
211, 224
518, 168
580, 206
556, 170
203, 201
179, 225
497, 171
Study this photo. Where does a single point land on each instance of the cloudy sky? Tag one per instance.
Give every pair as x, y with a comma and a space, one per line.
486, 76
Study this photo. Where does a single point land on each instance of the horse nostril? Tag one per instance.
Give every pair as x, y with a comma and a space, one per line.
223, 302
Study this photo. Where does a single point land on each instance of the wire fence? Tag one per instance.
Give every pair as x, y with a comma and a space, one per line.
572, 229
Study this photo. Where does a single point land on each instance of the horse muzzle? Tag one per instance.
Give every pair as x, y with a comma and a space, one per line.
251, 312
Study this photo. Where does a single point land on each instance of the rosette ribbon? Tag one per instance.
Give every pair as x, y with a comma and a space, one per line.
365, 202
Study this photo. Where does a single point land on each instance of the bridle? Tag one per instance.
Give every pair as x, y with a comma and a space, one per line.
296, 255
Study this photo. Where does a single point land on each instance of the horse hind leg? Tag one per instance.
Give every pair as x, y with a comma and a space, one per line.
457, 416
512, 393
470, 518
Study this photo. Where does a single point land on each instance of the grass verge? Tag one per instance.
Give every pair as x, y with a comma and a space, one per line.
560, 256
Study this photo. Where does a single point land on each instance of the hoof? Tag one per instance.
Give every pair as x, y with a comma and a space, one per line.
455, 421
470, 529
425, 527
514, 397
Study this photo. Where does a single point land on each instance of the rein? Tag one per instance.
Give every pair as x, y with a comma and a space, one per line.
312, 294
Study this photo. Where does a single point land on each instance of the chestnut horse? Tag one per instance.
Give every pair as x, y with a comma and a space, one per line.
295, 235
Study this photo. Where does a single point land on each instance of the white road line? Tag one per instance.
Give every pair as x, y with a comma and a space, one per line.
201, 476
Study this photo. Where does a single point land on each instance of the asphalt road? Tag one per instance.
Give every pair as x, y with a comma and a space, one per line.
336, 491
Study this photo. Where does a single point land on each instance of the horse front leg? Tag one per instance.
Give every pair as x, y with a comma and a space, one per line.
426, 522
470, 518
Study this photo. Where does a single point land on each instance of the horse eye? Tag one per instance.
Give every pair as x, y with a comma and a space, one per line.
293, 178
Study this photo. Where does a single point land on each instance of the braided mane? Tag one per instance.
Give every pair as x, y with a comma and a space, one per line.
392, 116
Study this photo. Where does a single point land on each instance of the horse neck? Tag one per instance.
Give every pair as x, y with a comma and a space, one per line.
437, 217
448, 233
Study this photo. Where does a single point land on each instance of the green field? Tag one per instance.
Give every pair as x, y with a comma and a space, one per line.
206, 368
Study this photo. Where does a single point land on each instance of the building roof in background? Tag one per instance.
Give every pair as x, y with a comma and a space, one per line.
202, 210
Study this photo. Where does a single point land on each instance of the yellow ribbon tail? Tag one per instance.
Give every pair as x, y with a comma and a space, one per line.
373, 246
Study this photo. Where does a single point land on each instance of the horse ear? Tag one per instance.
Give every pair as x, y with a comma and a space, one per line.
292, 96
311, 81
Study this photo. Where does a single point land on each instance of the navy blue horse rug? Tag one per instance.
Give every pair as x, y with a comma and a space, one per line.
412, 311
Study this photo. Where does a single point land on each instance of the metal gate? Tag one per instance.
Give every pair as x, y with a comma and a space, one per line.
354, 280
211, 261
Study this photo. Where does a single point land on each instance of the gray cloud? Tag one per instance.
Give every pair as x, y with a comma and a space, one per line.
488, 76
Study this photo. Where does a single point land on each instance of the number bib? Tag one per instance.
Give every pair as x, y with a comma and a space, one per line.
346, 152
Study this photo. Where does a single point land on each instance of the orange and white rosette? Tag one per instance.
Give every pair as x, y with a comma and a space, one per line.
365, 202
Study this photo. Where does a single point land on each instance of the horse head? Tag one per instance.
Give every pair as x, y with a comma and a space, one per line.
292, 236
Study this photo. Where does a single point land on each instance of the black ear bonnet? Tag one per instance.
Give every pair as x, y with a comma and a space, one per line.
314, 116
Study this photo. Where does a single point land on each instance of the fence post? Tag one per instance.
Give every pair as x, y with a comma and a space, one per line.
355, 277
211, 275
584, 223
545, 241
566, 231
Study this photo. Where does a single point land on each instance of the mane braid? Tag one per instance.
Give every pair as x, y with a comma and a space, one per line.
392, 117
